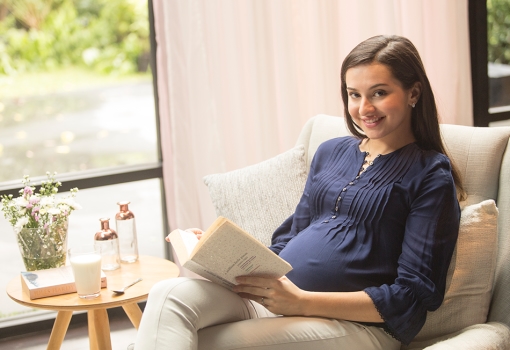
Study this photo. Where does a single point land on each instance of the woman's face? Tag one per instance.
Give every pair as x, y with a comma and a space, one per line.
378, 103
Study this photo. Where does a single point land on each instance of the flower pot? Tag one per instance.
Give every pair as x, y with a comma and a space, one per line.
43, 248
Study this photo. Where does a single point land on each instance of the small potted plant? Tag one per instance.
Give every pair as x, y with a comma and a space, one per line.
40, 222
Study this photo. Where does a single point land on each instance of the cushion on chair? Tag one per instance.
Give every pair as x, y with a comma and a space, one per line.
477, 152
486, 336
260, 197
470, 275
318, 129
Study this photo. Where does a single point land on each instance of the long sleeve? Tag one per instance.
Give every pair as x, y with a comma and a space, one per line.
430, 235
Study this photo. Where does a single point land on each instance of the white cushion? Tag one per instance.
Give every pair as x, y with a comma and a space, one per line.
260, 197
477, 152
470, 275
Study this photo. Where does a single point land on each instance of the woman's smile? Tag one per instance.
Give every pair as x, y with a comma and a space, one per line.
372, 122
379, 105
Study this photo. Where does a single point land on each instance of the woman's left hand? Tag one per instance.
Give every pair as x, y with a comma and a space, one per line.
279, 296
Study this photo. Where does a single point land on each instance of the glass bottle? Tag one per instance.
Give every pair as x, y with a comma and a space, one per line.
126, 228
108, 240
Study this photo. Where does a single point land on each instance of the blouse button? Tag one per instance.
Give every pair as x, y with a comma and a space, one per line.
344, 189
351, 183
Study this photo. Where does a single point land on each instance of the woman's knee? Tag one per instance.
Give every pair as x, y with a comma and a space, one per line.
186, 288
202, 302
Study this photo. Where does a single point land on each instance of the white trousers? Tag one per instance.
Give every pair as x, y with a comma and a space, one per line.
184, 313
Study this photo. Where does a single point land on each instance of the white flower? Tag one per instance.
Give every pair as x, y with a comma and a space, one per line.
69, 201
20, 202
20, 223
53, 211
46, 201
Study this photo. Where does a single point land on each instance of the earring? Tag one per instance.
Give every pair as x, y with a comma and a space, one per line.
413, 104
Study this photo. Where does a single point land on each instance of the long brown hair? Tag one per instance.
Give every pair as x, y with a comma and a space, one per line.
403, 60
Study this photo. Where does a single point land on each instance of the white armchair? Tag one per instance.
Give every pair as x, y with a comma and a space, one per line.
476, 310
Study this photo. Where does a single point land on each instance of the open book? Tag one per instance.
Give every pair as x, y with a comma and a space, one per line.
224, 252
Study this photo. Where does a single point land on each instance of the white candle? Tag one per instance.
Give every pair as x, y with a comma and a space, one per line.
87, 274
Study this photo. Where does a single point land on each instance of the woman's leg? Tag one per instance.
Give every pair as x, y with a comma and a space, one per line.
185, 313
177, 308
295, 333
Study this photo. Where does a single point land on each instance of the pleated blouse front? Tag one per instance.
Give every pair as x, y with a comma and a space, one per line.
390, 231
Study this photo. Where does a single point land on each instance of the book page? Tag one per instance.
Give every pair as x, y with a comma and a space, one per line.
203, 273
207, 234
183, 243
229, 251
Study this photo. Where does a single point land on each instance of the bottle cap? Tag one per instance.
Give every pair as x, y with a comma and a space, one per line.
124, 213
106, 232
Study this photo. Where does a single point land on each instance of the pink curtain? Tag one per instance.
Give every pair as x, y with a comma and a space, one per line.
238, 79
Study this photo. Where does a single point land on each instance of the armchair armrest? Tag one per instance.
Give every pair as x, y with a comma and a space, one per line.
488, 336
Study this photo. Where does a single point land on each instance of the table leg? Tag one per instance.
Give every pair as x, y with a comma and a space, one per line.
92, 332
99, 330
59, 329
134, 313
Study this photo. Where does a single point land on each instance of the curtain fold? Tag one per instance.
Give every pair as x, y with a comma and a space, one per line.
237, 80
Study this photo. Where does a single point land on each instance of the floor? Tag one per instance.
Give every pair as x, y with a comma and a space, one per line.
122, 334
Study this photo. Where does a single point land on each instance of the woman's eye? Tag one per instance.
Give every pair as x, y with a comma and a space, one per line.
353, 94
379, 93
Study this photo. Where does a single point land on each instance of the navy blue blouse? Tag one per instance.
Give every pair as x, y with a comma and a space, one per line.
390, 231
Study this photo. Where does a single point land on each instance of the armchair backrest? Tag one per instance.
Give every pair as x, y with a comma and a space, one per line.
483, 158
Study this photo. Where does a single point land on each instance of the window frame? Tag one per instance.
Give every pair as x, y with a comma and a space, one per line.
122, 174
477, 10
105, 177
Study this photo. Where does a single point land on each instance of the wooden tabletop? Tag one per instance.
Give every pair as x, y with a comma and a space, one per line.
151, 269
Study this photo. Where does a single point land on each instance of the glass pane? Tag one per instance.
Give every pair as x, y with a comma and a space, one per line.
498, 18
77, 96
145, 198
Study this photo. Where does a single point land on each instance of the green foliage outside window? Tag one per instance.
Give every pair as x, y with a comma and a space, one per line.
498, 28
108, 36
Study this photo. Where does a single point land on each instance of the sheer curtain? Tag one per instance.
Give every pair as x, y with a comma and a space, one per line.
237, 79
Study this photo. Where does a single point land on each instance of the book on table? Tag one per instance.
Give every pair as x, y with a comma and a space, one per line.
51, 282
225, 252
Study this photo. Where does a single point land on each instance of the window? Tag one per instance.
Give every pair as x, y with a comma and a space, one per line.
81, 103
489, 23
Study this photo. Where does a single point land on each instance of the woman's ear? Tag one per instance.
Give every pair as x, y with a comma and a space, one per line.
415, 93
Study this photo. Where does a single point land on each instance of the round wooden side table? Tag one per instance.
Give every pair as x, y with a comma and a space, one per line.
151, 269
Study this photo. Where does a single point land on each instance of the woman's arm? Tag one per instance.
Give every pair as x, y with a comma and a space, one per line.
282, 297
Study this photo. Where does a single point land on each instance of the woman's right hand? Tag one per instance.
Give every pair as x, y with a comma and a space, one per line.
198, 232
